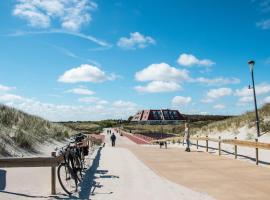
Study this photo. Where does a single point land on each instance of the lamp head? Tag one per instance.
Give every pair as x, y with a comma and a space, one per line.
251, 64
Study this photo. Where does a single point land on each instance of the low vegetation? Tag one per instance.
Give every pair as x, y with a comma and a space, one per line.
234, 123
25, 131
90, 127
207, 124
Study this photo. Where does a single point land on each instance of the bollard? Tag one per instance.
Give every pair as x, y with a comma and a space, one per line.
219, 145
235, 150
53, 176
197, 142
257, 153
207, 143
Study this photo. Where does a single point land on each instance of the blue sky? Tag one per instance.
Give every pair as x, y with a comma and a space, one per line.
91, 60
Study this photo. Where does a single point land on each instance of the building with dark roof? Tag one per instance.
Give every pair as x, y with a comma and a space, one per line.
162, 116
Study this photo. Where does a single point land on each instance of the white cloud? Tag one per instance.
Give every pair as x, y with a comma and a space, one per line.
10, 98
71, 14
85, 73
189, 60
95, 100
216, 81
266, 99
218, 93
264, 24
219, 106
4, 88
246, 95
124, 104
245, 99
159, 86
161, 72
214, 94
82, 91
136, 40
263, 88
61, 112
180, 100
59, 31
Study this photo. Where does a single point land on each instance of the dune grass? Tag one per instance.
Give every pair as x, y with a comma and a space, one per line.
25, 131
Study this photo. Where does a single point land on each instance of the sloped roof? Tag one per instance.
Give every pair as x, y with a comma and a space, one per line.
158, 115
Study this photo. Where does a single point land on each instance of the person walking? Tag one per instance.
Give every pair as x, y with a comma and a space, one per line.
187, 137
113, 138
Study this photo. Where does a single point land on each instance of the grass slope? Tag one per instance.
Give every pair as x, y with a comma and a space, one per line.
19, 129
234, 123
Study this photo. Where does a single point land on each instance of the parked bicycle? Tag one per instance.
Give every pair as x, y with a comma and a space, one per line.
70, 171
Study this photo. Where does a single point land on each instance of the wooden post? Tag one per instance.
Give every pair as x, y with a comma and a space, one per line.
235, 150
257, 153
53, 177
207, 143
197, 142
219, 145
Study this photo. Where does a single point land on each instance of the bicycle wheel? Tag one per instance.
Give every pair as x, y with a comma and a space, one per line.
67, 178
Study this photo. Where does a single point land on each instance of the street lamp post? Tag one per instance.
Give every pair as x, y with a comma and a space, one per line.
251, 67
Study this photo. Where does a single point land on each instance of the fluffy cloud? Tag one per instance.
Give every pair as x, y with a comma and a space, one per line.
264, 24
214, 94
219, 106
180, 100
246, 95
189, 60
4, 88
82, 91
85, 73
136, 40
261, 89
10, 98
216, 81
161, 72
266, 99
124, 104
61, 112
71, 14
246, 99
159, 86
94, 100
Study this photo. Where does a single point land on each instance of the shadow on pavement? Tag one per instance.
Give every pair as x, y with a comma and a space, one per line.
24, 195
226, 152
3, 179
89, 182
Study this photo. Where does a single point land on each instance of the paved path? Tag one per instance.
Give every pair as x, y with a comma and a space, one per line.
222, 178
120, 175
137, 172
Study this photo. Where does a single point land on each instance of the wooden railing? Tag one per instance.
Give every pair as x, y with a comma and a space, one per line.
53, 161
235, 142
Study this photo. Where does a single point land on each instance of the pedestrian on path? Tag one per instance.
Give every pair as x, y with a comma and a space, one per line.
113, 138
187, 137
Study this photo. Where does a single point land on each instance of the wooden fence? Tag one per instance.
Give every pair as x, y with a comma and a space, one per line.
235, 142
53, 161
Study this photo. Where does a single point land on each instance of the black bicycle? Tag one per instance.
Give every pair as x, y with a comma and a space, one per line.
70, 171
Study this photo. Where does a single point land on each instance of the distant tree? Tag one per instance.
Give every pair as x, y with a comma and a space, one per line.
130, 118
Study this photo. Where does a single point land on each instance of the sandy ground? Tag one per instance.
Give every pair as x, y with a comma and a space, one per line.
221, 177
138, 172
121, 175
29, 183
115, 173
